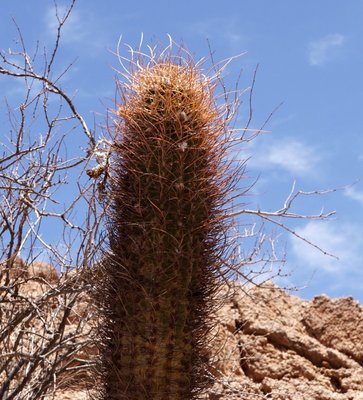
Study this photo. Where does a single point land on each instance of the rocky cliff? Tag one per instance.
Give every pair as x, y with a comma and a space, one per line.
272, 345
267, 344
278, 346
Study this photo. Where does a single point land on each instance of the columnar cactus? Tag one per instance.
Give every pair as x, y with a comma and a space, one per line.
166, 228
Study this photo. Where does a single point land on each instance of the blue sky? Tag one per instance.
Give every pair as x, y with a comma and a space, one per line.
310, 57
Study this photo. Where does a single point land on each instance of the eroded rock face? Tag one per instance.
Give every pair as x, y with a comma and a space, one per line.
337, 323
280, 347
46, 332
266, 344
43, 270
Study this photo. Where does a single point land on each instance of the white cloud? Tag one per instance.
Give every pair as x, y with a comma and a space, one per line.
324, 49
72, 31
291, 155
81, 28
229, 34
342, 240
354, 194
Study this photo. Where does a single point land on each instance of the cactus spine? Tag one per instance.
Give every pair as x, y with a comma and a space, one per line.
166, 232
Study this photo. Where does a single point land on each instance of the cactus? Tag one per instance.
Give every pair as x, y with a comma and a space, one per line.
166, 231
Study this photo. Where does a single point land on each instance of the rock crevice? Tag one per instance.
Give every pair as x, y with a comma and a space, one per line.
289, 348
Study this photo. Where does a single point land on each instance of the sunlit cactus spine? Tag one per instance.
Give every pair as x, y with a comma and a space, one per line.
166, 230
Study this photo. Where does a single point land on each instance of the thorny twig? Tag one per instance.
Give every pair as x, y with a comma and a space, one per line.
44, 334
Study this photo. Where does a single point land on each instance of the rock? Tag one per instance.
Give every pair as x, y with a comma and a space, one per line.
337, 323
266, 344
43, 270
289, 348
17, 270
